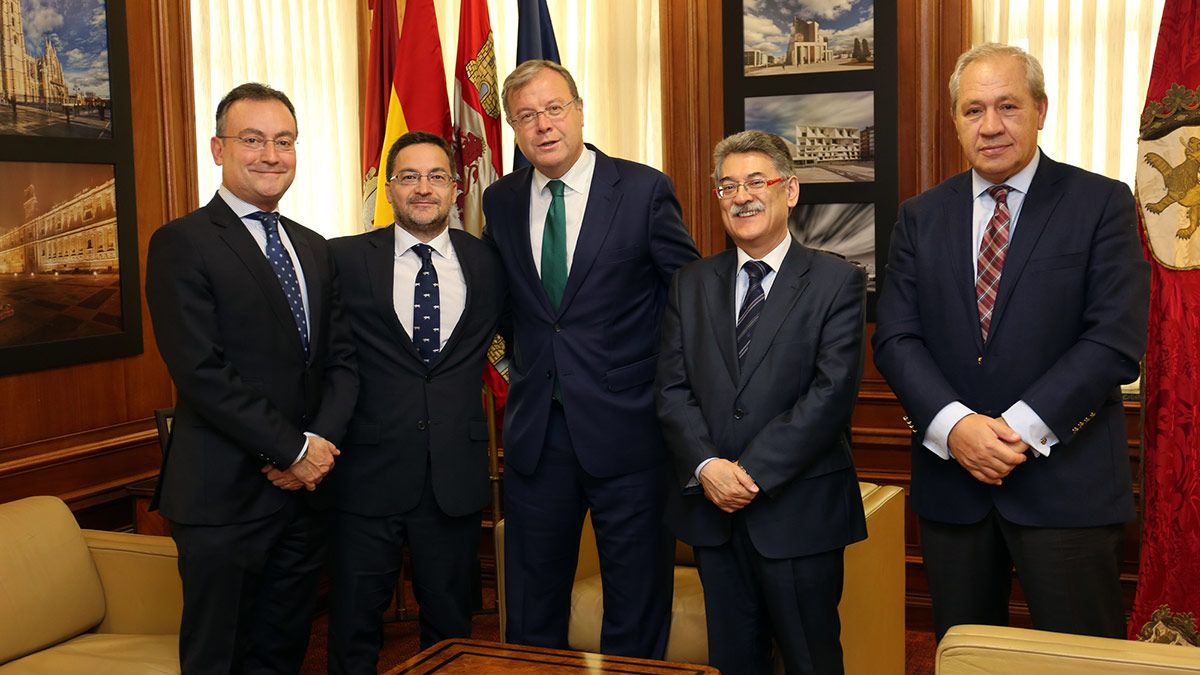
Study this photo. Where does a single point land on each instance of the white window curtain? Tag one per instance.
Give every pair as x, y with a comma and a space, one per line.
611, 48
309, 51
1097, 56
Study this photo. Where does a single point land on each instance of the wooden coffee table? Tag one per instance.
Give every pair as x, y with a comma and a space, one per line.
477, 657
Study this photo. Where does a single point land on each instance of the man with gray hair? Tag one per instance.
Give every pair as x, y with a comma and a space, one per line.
1013, 308
589, 244
758, 372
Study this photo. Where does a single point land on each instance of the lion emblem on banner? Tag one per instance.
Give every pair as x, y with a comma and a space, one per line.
1168, 178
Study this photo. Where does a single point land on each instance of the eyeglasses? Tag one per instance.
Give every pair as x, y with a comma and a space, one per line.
258, 143
753, 187
437, 179
553, 111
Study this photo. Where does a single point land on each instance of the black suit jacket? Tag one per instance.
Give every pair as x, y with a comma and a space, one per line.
603, 340
410, 416
246, 393
784, 414
1068, 327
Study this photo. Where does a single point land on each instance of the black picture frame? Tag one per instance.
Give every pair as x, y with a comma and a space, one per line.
115, 150
883, 191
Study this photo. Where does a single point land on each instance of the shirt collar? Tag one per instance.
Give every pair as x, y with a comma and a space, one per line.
241, 208
440, 244
574, 177
1020, 181
774, 258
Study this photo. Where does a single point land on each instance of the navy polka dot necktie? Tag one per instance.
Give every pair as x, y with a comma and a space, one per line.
427, 307
281, 262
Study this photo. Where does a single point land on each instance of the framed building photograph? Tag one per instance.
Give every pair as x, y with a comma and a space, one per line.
790, 37
845, 229
54, 69
831, 136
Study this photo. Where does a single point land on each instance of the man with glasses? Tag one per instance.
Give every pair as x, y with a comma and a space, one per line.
248, 319
424, 302
589, 244
761, 357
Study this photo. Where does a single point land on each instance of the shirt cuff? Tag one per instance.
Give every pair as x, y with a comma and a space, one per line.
937, 436
700, 467
1031, 427
304, 449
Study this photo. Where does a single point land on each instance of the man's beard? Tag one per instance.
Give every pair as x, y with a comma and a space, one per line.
437, 224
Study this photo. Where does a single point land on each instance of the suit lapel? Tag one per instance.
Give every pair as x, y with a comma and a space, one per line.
1035, 212
957, 219
235, 235
467, 265
519, 208
790, 283
603, 200
312, 282
718, 300
380, 255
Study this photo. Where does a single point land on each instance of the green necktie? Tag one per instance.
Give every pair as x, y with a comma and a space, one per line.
554, 246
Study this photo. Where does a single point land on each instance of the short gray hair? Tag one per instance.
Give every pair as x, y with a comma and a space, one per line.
528, 70
762, 142
1034, 78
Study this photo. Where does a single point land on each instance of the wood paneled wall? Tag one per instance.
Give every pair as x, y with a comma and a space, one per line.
85, 432
930, 36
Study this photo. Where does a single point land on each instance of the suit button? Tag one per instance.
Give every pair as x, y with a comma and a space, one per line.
557, 328
979, 361
429, 378
739, 414
421, 425
549, 375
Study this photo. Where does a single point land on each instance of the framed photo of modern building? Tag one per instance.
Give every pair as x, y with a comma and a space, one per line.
822, 76
54, 69
831, 136
794, 37
69, 283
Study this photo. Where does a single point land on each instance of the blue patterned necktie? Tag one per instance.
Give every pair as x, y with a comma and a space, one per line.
427, 307
751, 306
281, 262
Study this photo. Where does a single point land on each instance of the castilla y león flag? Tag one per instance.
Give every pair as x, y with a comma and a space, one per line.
1168, 195
406, 91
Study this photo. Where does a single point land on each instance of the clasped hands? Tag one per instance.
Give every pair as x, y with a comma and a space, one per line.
986, 447
309, 471
727, 485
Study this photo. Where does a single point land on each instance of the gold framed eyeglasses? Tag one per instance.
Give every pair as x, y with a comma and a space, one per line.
553, 111
437, 179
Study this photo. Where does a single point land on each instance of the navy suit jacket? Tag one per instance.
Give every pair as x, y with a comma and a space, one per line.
246, 392
784, 414
602, 343
1069, 326
411, 418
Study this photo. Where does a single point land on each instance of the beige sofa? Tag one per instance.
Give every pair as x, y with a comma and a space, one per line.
872, 607
1000, 650
84, 601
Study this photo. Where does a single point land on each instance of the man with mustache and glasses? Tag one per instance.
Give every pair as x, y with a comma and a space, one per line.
247, 318
424, 302
589, 243
762, 350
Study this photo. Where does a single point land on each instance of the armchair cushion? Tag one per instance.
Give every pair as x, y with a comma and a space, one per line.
1001, 650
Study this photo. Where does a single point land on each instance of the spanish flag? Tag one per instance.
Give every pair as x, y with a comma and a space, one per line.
406, 90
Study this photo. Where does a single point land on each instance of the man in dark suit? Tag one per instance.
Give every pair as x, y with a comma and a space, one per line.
589, 244
1014, 306
247, 316
424, 303
762, 351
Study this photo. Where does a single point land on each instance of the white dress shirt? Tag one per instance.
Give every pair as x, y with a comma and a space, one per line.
1019, 416
452, 286
578, 182
741, 285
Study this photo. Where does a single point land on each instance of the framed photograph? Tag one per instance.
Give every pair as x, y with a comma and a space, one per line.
69, 283
845, 229
790, 37
831, 136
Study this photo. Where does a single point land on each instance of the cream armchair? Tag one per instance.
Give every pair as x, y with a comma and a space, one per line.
872, 607
84, 601
1000, 650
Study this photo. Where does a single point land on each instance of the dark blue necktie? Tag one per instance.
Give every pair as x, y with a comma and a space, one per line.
281, 262
427, 308
751, 306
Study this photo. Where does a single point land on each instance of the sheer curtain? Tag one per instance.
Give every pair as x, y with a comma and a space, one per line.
611, 48
309, 51
1097, 56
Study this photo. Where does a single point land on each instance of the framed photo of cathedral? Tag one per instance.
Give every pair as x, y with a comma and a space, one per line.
69, 286
55, 60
